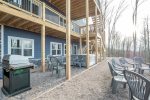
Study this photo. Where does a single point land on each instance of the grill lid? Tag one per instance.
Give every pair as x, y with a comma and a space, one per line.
16, 62
16, 59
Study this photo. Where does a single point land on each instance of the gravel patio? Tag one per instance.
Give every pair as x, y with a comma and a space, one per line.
41, 82
94, 84
91, 84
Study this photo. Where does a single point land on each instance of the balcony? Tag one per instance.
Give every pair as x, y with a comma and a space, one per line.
35, 8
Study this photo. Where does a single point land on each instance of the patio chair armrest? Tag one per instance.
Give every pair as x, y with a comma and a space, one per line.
120, 65
119, 73
130, 63
147, 64
119, 69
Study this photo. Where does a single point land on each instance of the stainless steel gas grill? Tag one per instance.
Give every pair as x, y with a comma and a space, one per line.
16, 74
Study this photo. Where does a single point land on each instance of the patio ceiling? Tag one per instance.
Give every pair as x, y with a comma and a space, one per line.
77, 8
20, 23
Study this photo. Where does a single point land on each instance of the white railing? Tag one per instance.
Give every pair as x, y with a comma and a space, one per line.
34, 8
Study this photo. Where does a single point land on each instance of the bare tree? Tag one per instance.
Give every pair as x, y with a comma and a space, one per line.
145, 39
137, 3
112, 20
128, 46
123, 43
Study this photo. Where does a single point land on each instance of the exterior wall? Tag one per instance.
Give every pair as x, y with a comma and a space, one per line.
9, 31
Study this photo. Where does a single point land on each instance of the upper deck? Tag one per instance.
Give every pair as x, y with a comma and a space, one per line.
31, 14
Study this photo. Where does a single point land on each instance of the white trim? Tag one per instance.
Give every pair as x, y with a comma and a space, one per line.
51, 48
20, 38
2, 41
64, 49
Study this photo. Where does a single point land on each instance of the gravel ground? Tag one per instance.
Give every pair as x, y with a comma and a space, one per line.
93, 84
40, 82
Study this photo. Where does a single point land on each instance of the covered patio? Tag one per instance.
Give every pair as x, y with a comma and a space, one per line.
92, 84
42, 82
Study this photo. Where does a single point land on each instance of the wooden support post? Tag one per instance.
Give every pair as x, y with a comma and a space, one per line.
100, 50
103, 53
43, 41
80, 45
87, 33
43, 11
68, 32
43, 48
96, 38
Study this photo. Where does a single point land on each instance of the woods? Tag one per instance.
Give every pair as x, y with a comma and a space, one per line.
138, 44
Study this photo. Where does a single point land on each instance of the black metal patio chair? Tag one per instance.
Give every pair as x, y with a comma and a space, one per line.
79, 61
57, 65
74, 59
118, 66
117, 77
141, 65
131, 66
139, 86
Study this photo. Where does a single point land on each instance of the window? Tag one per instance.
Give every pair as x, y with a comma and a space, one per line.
74, 49
35, 9
15, 2
56, 49
64, 49
61, 21
64, 23
21, 46
52, 16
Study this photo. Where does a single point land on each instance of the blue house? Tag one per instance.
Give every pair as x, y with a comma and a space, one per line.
37, 28
26, 43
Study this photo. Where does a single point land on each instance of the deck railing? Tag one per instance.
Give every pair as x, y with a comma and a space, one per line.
34, 8
91, 29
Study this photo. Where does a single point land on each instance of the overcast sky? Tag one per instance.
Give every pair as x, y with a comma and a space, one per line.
125, 25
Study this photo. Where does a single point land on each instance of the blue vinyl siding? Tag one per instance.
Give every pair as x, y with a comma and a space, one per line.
9, 31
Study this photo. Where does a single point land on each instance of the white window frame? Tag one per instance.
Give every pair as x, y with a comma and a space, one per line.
56, 50
76, 49
22, 39
64, 49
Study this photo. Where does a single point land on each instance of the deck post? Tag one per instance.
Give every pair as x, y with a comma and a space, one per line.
68, 32
43, 48
103, 53
43, 40
100, 50
87, 32
80, 45
43, 11
96, 38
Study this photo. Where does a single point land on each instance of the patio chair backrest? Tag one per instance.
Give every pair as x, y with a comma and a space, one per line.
138, 60
113, 73
54, 61
113, 61
74, 57
61, 58
138, 84
122, 60
81, 58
